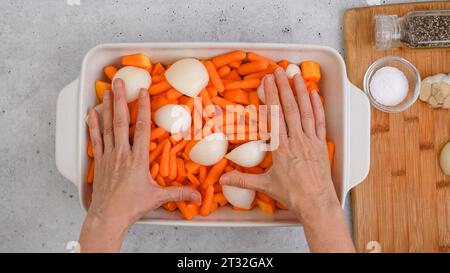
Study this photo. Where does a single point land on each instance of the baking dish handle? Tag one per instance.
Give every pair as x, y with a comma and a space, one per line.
66, 135
359, 122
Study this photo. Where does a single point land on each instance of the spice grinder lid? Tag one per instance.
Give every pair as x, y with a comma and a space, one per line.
387, 32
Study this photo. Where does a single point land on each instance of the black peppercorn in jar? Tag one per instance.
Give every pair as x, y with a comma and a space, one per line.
418, 29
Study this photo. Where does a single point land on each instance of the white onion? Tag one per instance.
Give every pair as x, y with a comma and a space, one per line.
189, 76
249, 154
134, 79
239, 197
209, 150
173, 118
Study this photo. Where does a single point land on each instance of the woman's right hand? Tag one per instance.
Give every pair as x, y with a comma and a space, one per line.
300, 177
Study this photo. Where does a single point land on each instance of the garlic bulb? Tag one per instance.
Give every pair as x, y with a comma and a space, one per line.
435, 90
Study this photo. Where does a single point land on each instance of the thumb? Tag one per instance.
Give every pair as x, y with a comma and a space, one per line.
174, 194
238, 179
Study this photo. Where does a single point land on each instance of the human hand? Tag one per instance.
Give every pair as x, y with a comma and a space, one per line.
123, 190
300, 176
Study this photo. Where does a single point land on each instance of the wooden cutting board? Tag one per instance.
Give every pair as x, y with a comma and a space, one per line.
404, 204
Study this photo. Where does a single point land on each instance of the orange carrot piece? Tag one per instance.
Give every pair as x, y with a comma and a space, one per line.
214, 76
158, 78
254, 99
100, 88
228, 169
188, 102
212, 91
311, 71
159, 88
330, 146
191, 167
173, 166
152, 146
217, 188
215, 172
261, 74
90, 150
173, 94
235, 64
137, 60
203, 173
160, 180
179, 146
206, 99
133, 109
181, 171
232, 76
267, 161
280, 205
165, 160
158, 69
244, 84
131, 132
193, 209
254, 170
110, 71
253, 57
90, 175
284, 64
223, 71
154, 170
189, 146
237, 96
193, 179
171, 206
252, 67
154, 154
156, 133
264, 197
266, 207
207, 201
220, 198
160, 101
184, 210
241, 209
222, 102
227, 58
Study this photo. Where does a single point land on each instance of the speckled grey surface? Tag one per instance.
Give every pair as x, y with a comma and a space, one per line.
41, 49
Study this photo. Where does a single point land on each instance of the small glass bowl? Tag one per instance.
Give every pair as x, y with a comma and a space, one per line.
411, 73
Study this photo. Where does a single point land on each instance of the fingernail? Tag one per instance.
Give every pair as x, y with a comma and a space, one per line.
106, 95
269, 78
279, 71
142, 93
195, 196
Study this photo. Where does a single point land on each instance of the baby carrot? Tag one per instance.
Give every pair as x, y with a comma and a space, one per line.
237, 96
214, 76
233, 76
259, 75
90, 175
220, 198
154, 170
160, 180
194, 209
179, 146
215, 172
173, 94
207, 201
254, 170
280, 205
267, 161
206, 99
152, 146
212, 91
184, 210
158, 69
193, 179
266, 207
173, 166
217, 188
227, 58
189, 146
160, 87
222, 102
253, 57
160, 101
90, 150
133, 109
330, 146
223, 71
171, 206
228, 169
156, 133
181, 171
188, 102
284, 64
235, 64
264, 197
203, 173
254, 99
158, 78
138, 60
100, 88
252, 67
165, 160
110, 71
191, 167
244, 84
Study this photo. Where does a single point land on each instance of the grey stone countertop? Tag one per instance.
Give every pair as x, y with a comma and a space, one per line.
42, 46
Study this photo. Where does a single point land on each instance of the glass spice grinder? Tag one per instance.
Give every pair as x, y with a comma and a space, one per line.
417, 29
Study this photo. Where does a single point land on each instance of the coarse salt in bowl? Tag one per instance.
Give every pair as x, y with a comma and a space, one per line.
395, 69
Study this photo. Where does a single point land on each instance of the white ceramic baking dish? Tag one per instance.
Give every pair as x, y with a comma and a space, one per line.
347, 112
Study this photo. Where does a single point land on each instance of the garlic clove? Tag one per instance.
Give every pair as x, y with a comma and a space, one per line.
425, 92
